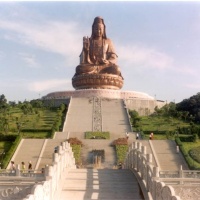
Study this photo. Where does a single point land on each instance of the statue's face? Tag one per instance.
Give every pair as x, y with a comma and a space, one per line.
98, 30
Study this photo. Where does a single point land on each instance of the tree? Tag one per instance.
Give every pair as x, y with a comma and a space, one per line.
5, 125
185, 114
36, 103
135, 119
191, 105
26, 108
3, 99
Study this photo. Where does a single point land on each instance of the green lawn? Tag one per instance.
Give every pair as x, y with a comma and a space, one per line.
39, 124
162, 127
42, 120
156, 123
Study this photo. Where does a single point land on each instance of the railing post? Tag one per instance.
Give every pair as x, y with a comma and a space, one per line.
177, 149
156, 172
149, 158
17, 171
181, 173
143, 162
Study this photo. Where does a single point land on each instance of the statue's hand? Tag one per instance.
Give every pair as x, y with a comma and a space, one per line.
86, 43
104, 61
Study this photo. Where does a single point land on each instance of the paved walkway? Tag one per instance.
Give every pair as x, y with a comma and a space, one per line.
91, 184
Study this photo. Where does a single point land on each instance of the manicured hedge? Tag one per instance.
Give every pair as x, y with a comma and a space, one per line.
11, 152
187, 157
7, 137
97, 135
191, 138
195, 154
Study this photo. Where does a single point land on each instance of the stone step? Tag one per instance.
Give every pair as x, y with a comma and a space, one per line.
114, 116
167, 156
28, 150
85, 184
47, 155
79, 114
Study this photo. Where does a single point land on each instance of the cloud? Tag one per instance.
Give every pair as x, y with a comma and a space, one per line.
53, 36
144, 57
65, 39
29, 59
45, 85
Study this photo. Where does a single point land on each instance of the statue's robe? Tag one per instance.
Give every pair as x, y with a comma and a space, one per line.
91, 60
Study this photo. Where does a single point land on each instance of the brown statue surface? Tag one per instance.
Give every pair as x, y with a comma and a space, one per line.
98, 61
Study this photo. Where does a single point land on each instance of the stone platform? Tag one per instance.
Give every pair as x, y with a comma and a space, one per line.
102, 93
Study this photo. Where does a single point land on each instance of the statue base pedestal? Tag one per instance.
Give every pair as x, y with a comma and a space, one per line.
97, 81
139, 101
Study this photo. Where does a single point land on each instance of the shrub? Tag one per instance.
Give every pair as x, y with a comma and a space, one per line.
195, 138
121, 146
120, 141
76, 148
74, 141
121, 151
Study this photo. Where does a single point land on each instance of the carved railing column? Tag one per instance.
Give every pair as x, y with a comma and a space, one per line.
129, 156
134, 154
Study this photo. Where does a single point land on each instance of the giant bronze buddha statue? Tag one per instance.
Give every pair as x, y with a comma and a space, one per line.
98, 68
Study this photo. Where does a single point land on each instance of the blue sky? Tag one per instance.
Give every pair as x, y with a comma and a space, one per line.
158, 46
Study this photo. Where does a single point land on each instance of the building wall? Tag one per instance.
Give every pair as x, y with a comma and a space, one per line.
143, 106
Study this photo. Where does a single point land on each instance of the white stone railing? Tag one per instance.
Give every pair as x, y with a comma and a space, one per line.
147, 174
62, 161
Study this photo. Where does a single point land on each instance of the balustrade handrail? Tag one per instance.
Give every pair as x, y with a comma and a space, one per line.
195, 174
179, 179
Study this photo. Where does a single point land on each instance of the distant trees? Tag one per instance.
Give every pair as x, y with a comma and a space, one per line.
190, 108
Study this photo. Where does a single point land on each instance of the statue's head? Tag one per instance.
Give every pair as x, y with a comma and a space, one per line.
99, 23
